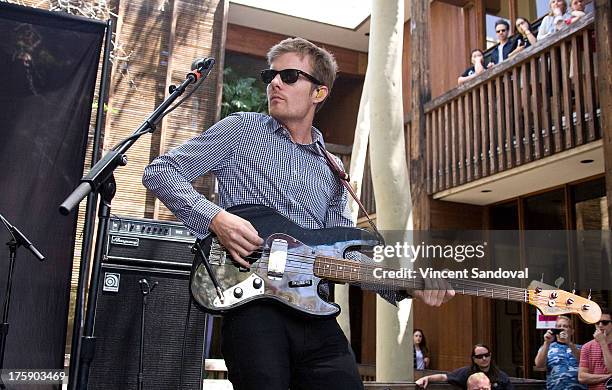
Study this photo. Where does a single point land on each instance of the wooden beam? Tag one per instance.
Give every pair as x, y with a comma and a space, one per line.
421, 93
456, 3
255, 42
603, 20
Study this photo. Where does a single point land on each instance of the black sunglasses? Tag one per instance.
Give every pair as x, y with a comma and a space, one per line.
482, 355
603, 322
288, 76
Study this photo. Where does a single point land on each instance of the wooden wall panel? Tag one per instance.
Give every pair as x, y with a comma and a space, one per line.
163, 42
338, 116
407, 72
448, 51
449, 331
255, 42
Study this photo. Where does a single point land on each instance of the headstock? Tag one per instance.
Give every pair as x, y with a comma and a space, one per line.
553, 301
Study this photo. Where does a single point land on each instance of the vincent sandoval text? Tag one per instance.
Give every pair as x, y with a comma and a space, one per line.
430, 273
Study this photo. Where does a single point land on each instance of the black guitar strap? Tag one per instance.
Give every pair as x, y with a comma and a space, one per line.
345, 180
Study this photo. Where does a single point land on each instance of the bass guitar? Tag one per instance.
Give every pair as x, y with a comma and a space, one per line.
293, 261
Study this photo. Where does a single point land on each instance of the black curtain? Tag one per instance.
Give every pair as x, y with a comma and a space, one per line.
48, 66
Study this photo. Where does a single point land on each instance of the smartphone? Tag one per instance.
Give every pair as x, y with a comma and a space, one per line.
556, 331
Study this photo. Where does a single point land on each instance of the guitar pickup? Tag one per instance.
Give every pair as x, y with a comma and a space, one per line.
300, 283
277, 259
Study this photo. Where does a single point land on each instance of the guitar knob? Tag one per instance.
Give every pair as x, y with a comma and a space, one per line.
569, 301
553, 295
586, 307
257, 283
238, 292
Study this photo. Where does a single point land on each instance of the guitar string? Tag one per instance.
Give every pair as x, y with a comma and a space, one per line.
516, 291
459, 284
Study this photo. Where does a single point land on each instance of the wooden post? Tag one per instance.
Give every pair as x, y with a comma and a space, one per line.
603, 19
421, 93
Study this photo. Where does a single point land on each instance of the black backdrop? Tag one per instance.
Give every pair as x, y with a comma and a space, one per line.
48, 65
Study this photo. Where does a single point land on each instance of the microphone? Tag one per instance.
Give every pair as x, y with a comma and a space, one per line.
21, 239
204, 63
202, 67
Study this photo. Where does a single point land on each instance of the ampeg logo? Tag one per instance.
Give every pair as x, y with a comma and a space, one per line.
111, 282
125, 241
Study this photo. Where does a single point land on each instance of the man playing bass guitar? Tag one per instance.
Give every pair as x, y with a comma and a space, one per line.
272, 160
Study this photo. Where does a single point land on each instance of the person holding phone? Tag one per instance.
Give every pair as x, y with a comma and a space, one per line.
526, 37
560, 356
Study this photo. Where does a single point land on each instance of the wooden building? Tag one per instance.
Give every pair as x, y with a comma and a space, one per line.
527, 145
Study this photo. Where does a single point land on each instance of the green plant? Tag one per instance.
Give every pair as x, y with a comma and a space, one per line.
241, 94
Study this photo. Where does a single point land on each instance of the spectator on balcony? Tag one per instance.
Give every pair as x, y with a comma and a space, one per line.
526, 37
478, 381
421, 352
477, 59
481, 362
577, 11
505, 45
555, 20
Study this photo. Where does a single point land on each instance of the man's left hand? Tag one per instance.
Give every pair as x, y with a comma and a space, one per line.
436, 292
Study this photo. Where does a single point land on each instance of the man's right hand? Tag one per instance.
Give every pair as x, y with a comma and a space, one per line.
548, 337
422, 382
237, 235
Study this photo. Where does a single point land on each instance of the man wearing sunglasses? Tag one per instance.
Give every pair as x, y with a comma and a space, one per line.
481, 362
596, 355
505, 46
272, 160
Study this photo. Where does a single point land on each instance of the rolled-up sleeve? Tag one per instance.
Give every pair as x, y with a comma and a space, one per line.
170, 176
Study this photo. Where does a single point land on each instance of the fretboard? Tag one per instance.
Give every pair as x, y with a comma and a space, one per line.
352, 271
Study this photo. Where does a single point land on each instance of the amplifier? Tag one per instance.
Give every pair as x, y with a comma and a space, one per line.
149, 243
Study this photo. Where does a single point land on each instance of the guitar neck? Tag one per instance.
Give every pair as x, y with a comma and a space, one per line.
352, 271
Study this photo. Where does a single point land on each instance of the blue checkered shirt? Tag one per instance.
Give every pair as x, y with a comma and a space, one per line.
255, 162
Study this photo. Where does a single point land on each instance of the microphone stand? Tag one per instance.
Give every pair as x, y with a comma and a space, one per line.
145, 289
100, 179
17, 239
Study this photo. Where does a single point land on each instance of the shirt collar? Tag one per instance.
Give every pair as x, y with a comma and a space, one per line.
278, 128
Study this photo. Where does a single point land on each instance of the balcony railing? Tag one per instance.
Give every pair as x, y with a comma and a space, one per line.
538, 103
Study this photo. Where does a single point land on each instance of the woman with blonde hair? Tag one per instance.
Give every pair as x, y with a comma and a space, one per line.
555, 19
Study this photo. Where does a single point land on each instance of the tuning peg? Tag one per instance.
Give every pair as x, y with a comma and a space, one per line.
559, 281
586, 307
574, 289
542, 278
554, 295
538, 290
589, 297
569, 301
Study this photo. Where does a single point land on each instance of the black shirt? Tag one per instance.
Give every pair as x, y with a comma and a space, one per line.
468, 72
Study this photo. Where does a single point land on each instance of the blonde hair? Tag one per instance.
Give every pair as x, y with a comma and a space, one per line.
477, 377
324, 66
550, 11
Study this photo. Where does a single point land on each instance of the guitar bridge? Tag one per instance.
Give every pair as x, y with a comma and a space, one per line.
277, 259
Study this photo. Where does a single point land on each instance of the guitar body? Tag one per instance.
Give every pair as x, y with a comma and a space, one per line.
283, 271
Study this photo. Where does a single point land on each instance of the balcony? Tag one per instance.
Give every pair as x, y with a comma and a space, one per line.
540, 103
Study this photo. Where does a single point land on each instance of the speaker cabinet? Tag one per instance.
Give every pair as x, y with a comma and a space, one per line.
118, 329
